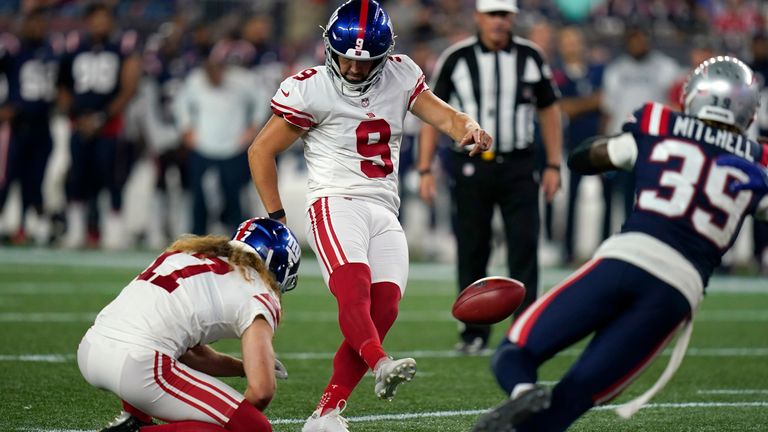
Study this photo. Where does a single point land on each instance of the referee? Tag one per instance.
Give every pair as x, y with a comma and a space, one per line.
502, 81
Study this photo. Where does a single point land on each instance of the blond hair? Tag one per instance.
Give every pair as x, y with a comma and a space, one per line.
219, 246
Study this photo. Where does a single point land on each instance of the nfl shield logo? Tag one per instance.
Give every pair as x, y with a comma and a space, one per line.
365, 102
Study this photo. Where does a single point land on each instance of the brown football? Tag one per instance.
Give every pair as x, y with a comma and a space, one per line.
489, 300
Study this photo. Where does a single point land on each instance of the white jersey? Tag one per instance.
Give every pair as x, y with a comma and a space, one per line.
183, 300
352, 144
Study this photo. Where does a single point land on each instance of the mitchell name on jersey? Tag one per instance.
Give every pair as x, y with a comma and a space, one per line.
695, 129
352, 144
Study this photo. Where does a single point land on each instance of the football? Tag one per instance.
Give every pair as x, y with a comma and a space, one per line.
489, 300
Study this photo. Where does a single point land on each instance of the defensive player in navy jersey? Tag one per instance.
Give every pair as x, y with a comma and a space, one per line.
645, 283
30, 68
97, 79
165, 70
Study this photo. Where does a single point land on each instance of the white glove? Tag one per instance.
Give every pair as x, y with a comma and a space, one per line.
280, 371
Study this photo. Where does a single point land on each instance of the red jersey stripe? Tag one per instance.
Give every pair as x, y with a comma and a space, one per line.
325, 244
420, 87
232, 401
645, 122
334, 239
269, 309
220, 405
293, 110
161, 382
275, 304
293, 119
535, 310
315, 233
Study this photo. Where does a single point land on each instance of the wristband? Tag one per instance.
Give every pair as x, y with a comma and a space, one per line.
424, 171
278, 214
553, 166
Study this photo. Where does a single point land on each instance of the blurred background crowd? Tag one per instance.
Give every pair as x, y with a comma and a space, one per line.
134, 148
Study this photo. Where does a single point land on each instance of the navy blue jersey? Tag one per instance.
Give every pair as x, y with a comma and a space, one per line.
585, 125
31, 73
682, 196
168, 73
91, 71
8, 46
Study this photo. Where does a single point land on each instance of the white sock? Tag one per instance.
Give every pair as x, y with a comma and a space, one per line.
519, 389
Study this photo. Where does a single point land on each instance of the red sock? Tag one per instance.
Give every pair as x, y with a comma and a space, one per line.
348, 370
139, 414
351, 284
247, 418
185, 426
348, 367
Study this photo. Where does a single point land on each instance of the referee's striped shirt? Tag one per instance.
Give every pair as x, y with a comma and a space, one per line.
500, 89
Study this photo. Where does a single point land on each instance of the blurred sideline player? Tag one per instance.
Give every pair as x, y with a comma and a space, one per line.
350, 114
165, 68
149, 346
645, 283
98, 78
30, 67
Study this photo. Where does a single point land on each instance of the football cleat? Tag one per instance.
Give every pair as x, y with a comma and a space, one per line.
504, 417
391, 373
125, 422
475, 347
332, 421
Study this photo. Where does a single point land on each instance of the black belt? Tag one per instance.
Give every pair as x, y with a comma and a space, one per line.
499, 157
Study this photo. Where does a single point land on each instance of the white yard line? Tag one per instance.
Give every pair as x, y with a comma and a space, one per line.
405, 316
464, 413
84, 261
425, 354
739, 392
411, 316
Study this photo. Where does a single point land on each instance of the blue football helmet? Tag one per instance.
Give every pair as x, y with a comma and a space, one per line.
276, 245
358, 30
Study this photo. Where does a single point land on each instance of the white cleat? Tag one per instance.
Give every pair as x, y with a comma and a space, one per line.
391, 373
332, 421
74, 237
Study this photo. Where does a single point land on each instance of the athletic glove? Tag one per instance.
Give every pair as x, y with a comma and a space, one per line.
758, 178
280, 371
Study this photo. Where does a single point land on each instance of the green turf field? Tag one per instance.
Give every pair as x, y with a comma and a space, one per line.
48, 300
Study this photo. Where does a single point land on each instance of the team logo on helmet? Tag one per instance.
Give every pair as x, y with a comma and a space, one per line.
276, 245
